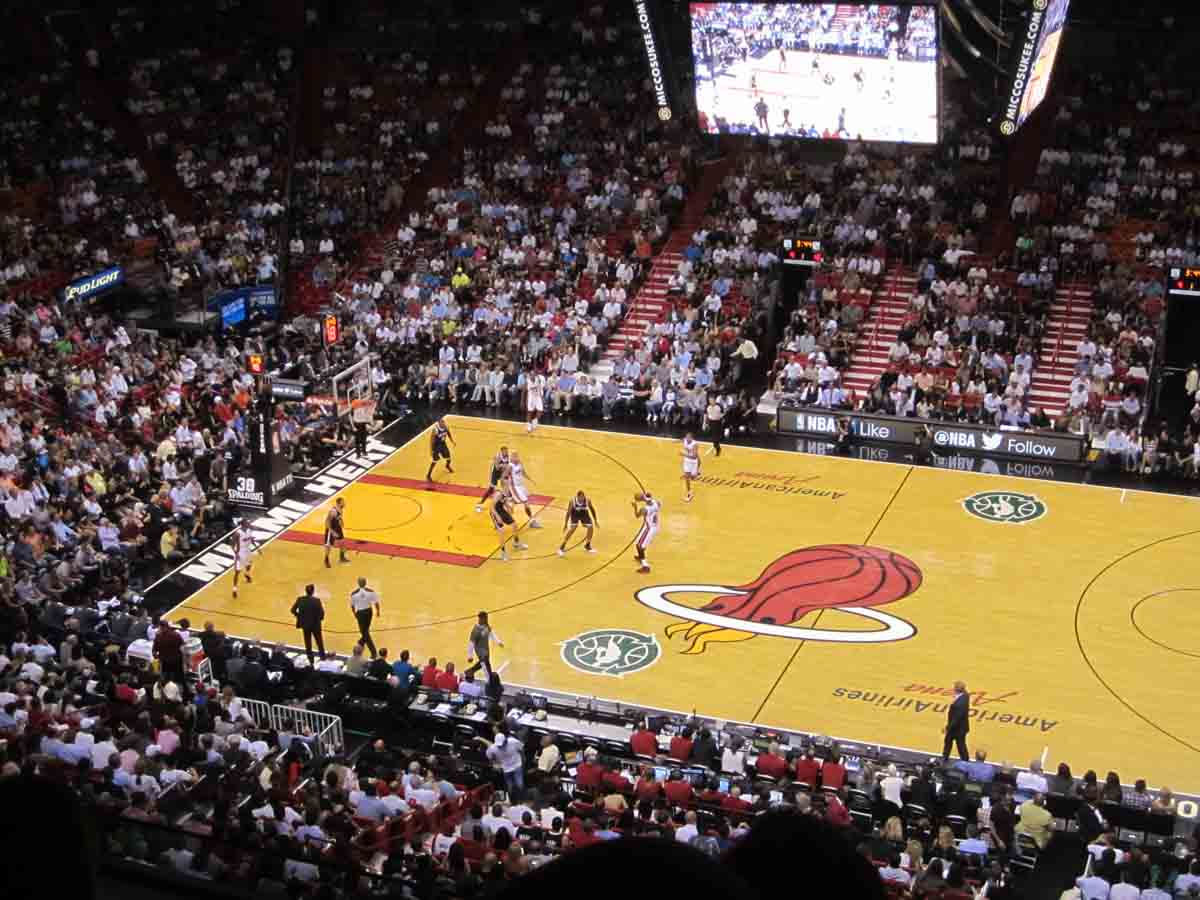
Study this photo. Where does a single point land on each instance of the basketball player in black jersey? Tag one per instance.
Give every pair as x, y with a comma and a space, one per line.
438, 448
335, 531
502, 518
579, 512
499, 470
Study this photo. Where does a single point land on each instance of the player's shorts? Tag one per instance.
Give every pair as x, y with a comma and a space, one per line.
440, 450
534, 403
241, 561
581, 517
501, 517
645, 536
691, 467
331, 537
494, 478
520, 493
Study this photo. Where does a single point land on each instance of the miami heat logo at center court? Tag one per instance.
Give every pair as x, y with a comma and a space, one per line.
849, 578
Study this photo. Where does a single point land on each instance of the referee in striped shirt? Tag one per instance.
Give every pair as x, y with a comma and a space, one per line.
364, 603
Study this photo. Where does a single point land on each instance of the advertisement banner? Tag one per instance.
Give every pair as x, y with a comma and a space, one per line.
1043, 446
92, 285
985, 465
237, 305
657, 59
267, 477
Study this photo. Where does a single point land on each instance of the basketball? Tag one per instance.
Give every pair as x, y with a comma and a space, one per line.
820, 577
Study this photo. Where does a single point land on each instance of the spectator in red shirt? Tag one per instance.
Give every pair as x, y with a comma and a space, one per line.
771, 763
644, 742
734, 802
712, 793
590, 774
447, 680
678, 790
836, 812
807, 768
648, 787
681, 746
616, 781
833, 773
168, 650
429, 675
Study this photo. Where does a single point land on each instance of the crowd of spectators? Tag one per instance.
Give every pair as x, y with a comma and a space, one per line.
1112, 202
725, 35
116, 446
185, 777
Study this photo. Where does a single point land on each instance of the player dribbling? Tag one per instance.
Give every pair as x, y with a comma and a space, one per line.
244, 544
579, 512
646, 508
502, 518
691, 464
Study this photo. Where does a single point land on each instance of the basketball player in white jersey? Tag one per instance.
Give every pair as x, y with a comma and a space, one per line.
646, 508
517, 487
691, 464
498, 474
244, 543
579, 512
535, 397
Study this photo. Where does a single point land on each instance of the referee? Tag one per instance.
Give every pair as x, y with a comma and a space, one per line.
364, 603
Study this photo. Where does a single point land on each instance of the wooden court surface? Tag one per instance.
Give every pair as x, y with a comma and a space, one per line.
1072, 612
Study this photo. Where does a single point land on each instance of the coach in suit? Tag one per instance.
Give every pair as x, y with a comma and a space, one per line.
310, 612
958, 723
1089, 818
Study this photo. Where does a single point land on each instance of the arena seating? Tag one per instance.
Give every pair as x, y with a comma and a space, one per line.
548, 221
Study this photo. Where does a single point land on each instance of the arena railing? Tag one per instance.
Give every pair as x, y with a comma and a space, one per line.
325, 726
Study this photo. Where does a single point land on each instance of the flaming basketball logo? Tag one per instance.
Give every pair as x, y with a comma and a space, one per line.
850, 578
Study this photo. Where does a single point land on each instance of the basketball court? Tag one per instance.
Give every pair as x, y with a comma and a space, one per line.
894, 100
822, 594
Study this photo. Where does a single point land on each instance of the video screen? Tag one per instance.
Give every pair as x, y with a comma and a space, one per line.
1043, 59
817, 70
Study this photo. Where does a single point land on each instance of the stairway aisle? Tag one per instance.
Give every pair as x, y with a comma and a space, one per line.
869, 359
1066, 325
650, 304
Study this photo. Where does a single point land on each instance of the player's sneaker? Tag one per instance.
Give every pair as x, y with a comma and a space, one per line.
478, 508
503, 556
235, 593
562, 552
534, 523
521, 546
590, 549
249, 580
643, 569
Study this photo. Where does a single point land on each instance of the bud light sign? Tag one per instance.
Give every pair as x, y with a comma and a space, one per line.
86, 288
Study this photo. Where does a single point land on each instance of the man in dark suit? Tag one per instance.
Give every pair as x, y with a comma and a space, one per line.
309, 613
1089, 818
213, 644
958, 723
